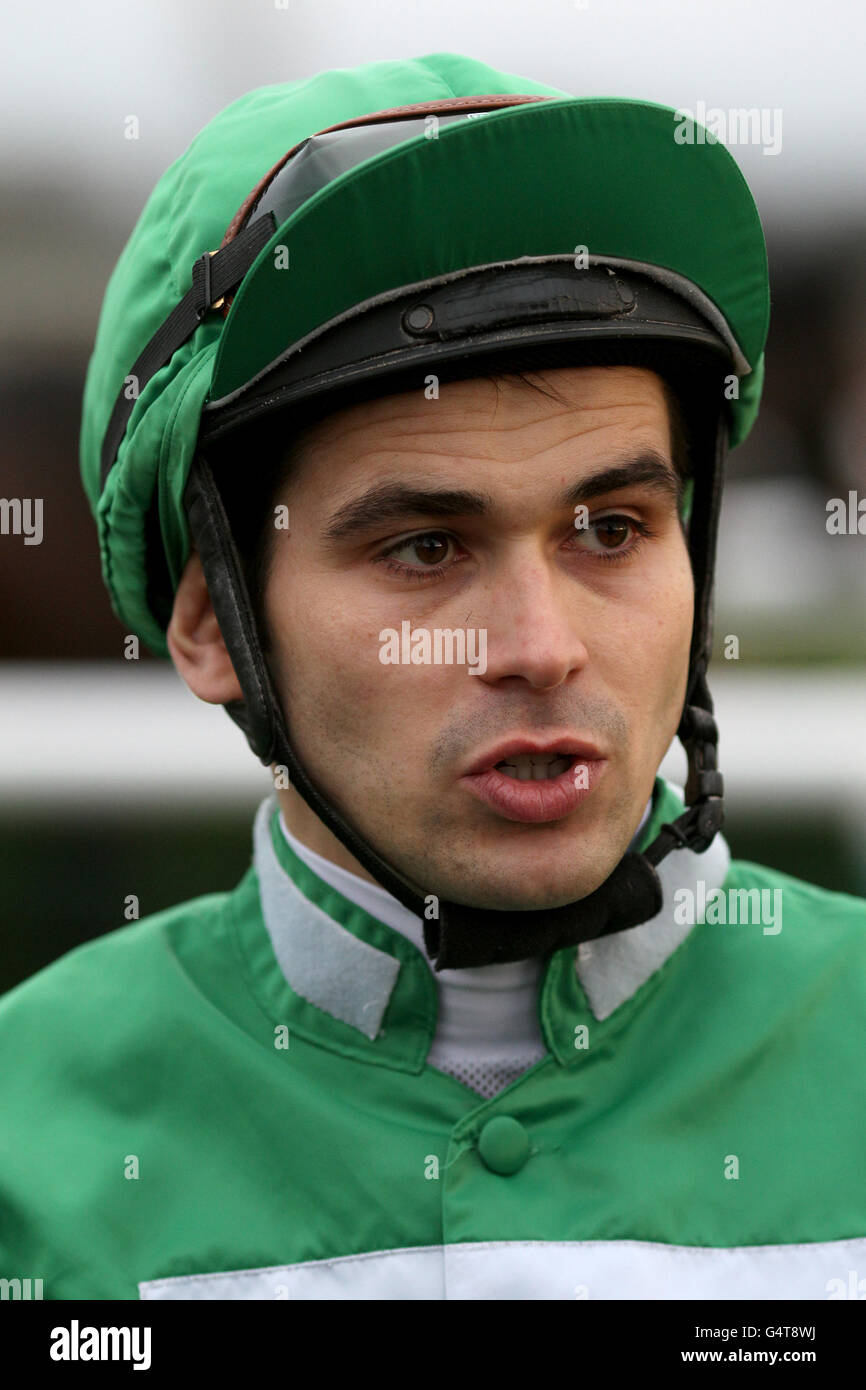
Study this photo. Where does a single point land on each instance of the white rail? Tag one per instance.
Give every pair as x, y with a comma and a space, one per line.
124, 739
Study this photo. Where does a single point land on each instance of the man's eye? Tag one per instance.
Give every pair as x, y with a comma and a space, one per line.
426, 551
613, 531
610, 535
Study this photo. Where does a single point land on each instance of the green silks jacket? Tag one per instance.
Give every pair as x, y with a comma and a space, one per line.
231, 1099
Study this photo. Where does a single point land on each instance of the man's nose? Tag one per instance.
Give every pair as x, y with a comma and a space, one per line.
536, 623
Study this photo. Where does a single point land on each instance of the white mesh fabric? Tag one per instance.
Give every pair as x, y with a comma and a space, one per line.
489, 1076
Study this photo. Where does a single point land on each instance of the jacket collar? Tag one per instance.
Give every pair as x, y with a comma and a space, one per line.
343, 979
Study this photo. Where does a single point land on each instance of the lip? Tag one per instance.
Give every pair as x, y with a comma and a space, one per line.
551, 799
567, 746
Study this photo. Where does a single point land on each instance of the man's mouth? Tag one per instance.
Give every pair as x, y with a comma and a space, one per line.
532, 759
534, 768
521, 780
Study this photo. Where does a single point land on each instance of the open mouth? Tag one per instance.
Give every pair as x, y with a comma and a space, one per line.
535, 767
536, 787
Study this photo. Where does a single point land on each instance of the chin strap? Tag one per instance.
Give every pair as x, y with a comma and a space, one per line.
466, 936
461, 936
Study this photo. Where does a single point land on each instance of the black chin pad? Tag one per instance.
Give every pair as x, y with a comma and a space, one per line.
467, 936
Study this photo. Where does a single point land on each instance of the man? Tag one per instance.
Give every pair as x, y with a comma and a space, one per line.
492, 1014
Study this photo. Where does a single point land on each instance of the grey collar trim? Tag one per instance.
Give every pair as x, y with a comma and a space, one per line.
327, 965
320, 959
614, 967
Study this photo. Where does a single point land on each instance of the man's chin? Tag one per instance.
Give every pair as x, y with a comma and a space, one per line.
520, 897
516, 877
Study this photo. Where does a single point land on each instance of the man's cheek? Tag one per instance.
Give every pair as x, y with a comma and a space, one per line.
651, 663
356, 685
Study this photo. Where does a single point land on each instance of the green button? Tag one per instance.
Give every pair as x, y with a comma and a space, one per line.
503, 1145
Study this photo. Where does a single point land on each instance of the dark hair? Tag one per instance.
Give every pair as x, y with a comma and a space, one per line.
251, 493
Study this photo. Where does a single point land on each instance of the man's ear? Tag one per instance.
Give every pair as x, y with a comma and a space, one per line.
195, 641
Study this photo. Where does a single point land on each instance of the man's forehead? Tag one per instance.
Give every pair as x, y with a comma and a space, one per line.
410, 437
509, 397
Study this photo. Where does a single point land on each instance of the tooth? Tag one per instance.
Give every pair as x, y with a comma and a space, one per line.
532, 767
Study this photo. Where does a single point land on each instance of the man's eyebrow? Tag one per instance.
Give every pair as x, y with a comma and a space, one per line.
649, 469
395, 501
399, 501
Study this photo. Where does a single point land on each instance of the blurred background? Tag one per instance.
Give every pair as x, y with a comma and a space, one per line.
114, 780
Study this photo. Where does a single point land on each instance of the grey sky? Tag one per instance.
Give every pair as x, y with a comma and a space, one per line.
73, 73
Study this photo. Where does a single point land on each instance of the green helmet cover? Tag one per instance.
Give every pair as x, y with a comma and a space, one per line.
531, 180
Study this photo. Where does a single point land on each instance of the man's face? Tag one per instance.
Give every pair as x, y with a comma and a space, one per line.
459, 514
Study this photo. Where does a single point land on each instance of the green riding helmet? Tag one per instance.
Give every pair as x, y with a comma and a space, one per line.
324, 241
